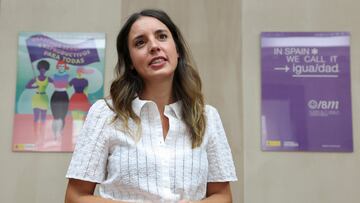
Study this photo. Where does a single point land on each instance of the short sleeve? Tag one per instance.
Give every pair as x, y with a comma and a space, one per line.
89, 159
221, 164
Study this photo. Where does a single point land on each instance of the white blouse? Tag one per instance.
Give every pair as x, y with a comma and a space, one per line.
152, 169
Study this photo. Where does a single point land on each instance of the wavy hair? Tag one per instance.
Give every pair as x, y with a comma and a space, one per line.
186, 84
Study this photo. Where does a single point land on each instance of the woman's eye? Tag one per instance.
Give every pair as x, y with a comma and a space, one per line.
162, 36
139, 43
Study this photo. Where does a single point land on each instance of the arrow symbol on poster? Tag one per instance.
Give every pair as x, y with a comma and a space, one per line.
286, 68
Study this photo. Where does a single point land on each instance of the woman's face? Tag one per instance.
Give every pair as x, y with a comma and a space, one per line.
61, 68
152, 49
42, 71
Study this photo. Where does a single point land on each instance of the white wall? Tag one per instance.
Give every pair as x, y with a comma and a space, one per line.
273, 177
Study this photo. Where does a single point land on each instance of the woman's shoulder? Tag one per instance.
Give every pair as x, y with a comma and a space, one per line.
210, 110
101, 107
212, 115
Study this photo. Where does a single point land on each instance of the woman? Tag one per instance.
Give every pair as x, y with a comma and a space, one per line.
155, 140
40, 100
79, 103
59, 101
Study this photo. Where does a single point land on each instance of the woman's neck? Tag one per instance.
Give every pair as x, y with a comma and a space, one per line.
159, 92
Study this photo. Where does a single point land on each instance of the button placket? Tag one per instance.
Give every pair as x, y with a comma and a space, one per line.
162, 151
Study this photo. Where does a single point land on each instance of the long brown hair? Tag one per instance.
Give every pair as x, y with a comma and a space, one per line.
186, 84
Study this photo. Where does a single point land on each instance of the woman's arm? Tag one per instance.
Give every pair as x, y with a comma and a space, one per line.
218, 192
30, 84
79, 191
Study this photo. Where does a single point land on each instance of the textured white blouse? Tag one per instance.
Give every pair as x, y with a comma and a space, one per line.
152, 169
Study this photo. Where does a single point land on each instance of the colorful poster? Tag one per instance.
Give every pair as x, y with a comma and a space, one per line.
305, 96
59, 76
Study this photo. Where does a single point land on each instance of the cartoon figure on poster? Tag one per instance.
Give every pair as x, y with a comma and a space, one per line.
60, 99
79, 102
53, 102
40, 100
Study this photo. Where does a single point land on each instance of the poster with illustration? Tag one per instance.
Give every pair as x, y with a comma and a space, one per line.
59, 76
305, 92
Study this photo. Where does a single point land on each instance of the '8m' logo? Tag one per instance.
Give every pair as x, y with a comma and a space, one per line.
323, 104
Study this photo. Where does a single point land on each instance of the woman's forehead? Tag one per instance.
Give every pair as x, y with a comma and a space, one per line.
145, 25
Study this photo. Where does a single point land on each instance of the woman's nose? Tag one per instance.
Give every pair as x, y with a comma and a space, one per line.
154, 46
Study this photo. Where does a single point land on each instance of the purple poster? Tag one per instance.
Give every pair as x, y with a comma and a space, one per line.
306, 97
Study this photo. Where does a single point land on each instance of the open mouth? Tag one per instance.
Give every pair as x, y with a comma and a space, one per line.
157, 61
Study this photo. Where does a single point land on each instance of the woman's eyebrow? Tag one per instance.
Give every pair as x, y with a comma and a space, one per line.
137, 37
161, 31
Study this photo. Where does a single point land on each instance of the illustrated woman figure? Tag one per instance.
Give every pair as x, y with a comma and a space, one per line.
60, 100
40, 101
79, 103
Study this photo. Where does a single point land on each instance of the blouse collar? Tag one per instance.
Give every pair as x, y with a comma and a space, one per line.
138, 104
